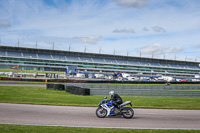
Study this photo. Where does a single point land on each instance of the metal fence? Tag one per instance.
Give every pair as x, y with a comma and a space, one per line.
143, 90
133, 92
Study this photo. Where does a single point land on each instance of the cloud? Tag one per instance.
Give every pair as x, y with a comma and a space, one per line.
145, 29
89, 39
155, 29
155, 48
158, 29
173, 49
123, 31
160, 49
133, 3
197, 46
4, 23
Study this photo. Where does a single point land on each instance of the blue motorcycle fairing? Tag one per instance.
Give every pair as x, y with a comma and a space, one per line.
110, 103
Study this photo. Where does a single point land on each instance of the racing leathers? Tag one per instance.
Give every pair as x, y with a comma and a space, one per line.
117, 100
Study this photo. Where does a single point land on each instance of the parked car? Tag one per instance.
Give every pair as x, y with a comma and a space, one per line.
184, 80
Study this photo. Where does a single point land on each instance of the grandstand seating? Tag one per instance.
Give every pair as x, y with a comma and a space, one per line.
154, 64
144, 63
86, 59
164, 64
193, 67
29, 55
112, 61
101, 60
45, 56
173, 65
13, 53
73, 58
2, 53
133, 62
182, 66
58, 57
122, 61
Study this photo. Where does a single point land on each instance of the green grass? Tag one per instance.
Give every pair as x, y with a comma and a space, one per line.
49, 129
39, 95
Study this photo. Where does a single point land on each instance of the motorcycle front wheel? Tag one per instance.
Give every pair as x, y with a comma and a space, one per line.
127, 112
101, 112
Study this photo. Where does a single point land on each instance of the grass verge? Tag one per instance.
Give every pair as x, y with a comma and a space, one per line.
49, 129
39, 95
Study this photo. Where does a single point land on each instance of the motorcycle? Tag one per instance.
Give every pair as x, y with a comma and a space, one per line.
106, 108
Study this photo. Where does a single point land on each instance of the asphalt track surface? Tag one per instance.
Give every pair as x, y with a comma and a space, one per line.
69, 116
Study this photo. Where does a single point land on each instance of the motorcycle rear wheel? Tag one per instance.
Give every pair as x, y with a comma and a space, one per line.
101, 112
127, 112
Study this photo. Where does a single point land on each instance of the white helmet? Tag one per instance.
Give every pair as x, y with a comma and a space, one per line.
111, 93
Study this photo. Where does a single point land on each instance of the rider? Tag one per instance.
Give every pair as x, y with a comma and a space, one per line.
117, 100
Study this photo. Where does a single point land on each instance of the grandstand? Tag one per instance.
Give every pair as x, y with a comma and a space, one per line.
57, 60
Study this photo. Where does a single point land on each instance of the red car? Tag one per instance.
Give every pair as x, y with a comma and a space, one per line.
184, 80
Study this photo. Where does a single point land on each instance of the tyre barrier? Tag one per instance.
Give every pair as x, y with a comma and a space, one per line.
77, 90
55, 87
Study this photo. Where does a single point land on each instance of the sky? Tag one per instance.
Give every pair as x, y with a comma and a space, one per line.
167, 29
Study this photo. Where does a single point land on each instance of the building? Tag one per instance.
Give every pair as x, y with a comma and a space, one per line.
57, 60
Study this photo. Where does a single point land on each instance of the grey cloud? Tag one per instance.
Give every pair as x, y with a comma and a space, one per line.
160, 49
155, 48
123, 31
198, 46
4, 23
158, 29
90, 39
133, 3
145, 29
174, 49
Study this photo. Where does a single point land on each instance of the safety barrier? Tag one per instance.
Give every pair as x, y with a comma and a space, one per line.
77, 90
152, 87
133, 92
55, 86
71, 89
130, 90
143, 90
